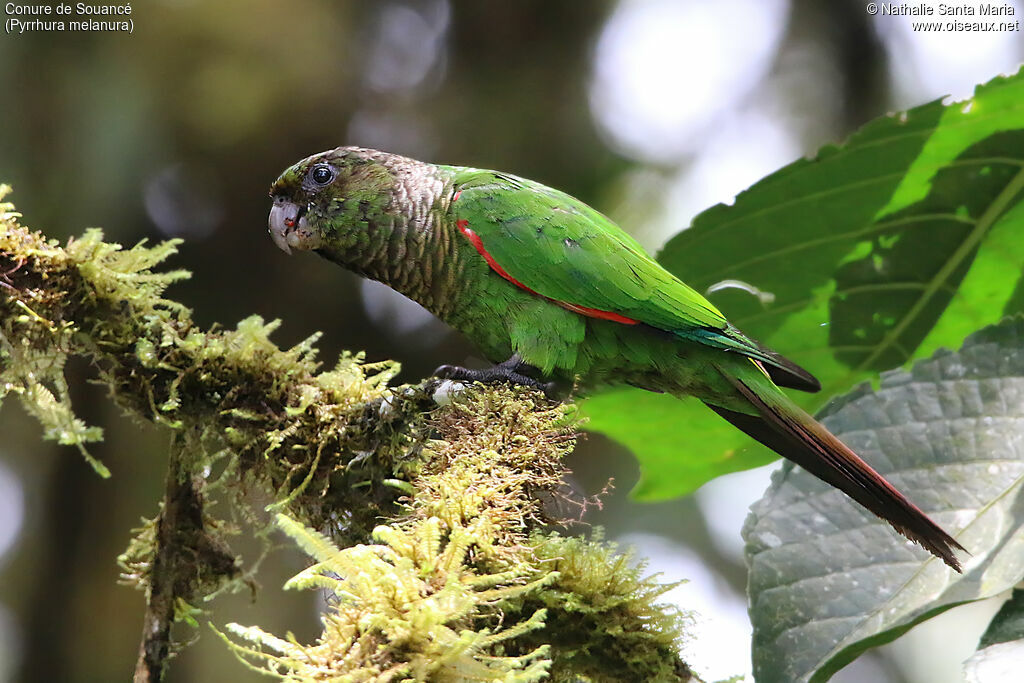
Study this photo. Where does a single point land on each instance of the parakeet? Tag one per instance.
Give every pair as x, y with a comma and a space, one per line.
544, 284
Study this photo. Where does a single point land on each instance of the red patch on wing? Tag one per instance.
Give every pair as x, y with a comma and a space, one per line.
597, 313
478, 244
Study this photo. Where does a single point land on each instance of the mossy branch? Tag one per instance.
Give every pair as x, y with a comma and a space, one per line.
433, 532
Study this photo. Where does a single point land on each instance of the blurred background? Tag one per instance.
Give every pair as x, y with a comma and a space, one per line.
650, 110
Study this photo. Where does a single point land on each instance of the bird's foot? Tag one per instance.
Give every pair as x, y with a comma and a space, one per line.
510, 371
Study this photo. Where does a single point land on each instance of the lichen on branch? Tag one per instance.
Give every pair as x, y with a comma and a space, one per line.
432, 523
273, 410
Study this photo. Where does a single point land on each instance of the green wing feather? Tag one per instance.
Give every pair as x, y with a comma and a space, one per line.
567, 251
564, 250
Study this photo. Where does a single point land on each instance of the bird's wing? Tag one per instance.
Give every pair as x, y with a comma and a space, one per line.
558, 247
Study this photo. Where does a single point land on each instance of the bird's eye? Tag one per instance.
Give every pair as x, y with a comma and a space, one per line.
322, 175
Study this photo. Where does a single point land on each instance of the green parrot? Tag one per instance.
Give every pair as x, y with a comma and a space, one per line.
543, 284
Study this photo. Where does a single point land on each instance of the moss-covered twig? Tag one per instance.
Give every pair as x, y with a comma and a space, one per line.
182, 546
282, 422
463, 587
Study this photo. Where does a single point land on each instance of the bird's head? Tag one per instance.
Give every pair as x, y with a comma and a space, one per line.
324, 200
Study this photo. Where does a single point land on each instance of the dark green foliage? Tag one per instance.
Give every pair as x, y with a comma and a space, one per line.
1008, 624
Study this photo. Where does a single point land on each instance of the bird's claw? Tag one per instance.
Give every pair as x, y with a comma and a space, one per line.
448, 372
507, 371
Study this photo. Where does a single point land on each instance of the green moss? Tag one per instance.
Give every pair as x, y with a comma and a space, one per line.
498, 452
263, 416
605, 621
461, 586
404, 611
283, 422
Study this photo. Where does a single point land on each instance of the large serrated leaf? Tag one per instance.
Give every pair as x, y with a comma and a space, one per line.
827, 579
879, 251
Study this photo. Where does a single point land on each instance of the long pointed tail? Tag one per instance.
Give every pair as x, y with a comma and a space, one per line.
792, 433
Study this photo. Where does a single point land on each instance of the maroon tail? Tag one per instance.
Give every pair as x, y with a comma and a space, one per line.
809, 444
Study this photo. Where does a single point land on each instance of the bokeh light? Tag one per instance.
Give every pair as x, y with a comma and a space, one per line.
666, 71
931, 64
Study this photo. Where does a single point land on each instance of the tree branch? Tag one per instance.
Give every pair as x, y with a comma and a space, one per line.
185, 557
446, 503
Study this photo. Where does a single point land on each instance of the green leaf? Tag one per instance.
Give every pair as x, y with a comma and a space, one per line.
680, 444
827, 579
876, 252
1008, 623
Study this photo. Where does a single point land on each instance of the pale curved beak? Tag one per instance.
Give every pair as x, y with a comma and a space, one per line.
285, 219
